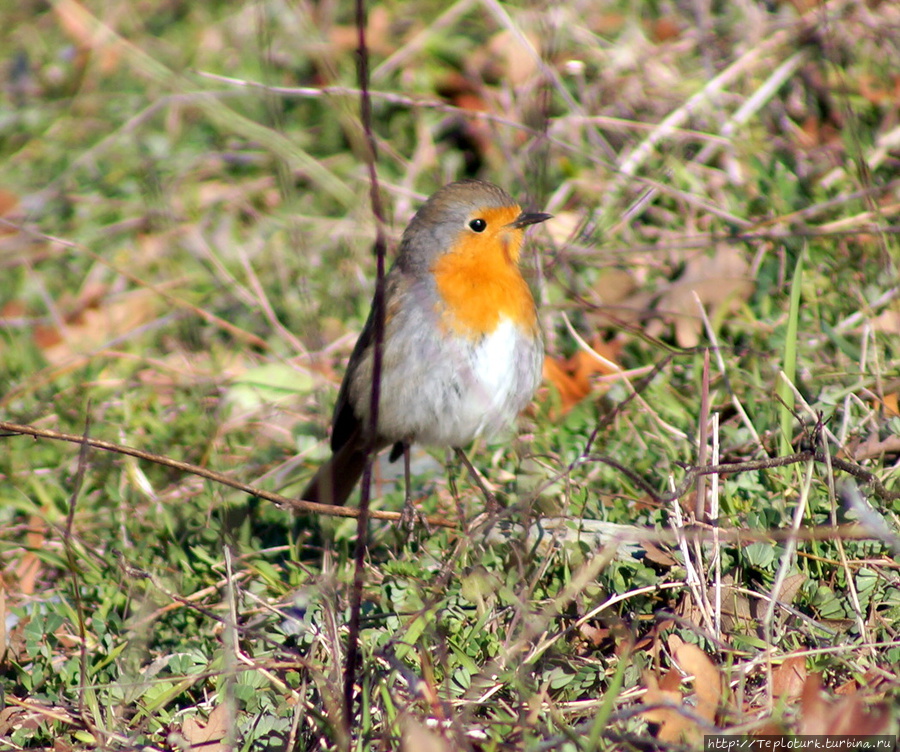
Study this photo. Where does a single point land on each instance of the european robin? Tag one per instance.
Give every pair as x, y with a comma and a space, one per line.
462, 351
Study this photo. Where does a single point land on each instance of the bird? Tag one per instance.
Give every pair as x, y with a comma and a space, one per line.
462, 350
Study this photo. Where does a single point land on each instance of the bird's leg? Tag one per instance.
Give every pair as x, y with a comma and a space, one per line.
491, 504
410, 516
407, 477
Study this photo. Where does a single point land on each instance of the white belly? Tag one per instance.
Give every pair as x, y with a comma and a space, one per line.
454, 394
494, 367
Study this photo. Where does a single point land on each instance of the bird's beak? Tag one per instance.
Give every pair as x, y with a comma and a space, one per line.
529, 218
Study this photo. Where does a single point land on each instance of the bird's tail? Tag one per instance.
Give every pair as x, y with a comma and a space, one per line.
335, 480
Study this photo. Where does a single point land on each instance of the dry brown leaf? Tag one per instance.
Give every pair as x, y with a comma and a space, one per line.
13, 309
657, 555
688, 610
9, 202
663, 29
736, 608
378, 39
718, 280
87, 34
2, 623
850, 715
572, 377
849, 687
30, 565
416, 737
594, 636
554, 373
791, 587
874, 447
875, 90
614, 285
97, 320
506, 58
30, 714
707, 679
673, 725
814, 708
789, 678
60, 745
607, 24
208, 736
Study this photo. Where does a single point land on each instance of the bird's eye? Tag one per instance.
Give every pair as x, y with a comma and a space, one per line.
478, 225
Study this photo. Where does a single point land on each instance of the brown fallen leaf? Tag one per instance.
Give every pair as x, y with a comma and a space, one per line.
507, 58
378, 37
707, 679
96, 319
9, 202
555, 373
674, 726
891, 404
878, 90
720, 280
30, 565
416, 737
208, 736
663, 29
88, 35
789, 678
871, 448
851, 715
572, 376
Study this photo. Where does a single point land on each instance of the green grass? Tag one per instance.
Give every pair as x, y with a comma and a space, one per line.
185, 270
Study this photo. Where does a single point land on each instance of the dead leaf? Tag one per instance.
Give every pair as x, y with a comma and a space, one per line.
851, 715
720, 280
472, 136
9, 202
607, 24
207, 736
95, 320
86, 31
378, 39
789, 678
657, 555
707, 679
593, 635
614, 285
673, 725
873, 447
736, 610
416, 737
663, 29
507, 58
29, 566
13, 309
791, 587
572, 377
849, 687
877, 91
2, 623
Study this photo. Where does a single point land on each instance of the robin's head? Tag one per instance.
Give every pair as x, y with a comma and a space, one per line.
471, 217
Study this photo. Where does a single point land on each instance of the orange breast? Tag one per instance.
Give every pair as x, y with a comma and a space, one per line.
479, 281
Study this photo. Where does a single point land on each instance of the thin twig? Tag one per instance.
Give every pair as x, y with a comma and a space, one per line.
295, 505
362, 522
